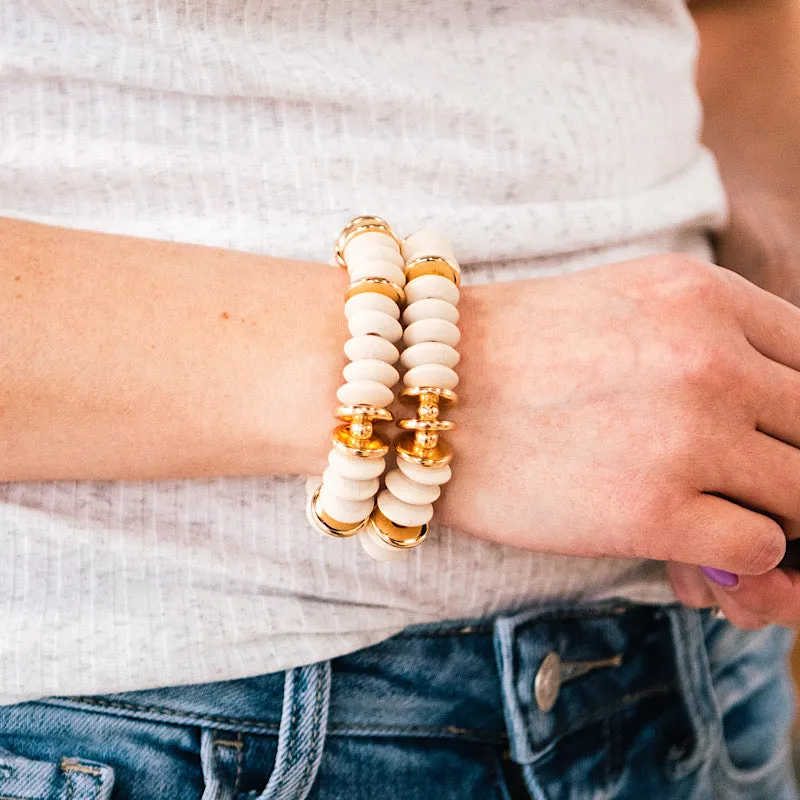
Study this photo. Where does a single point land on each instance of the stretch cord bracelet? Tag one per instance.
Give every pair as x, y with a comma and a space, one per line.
368, 249
404, 508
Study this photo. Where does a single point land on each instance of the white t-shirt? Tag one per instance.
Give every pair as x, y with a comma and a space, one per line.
541, 135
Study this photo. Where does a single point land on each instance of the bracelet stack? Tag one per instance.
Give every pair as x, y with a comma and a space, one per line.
370, 252
421, 276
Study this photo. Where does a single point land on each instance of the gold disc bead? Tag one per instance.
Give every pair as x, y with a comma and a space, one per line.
428, 395
432, 265
350, 413
346, 442
357, 226
409, 449
398, 536
327, 524
380, 285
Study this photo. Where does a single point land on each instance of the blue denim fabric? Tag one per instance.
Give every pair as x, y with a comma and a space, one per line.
692, 708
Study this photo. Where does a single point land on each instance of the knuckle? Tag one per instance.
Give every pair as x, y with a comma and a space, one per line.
765, 551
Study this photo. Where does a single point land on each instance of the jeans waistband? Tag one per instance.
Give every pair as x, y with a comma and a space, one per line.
467, 679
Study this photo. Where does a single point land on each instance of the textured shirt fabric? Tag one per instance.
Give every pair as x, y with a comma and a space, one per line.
541, 135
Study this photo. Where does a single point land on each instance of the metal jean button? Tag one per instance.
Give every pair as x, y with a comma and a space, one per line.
553, 672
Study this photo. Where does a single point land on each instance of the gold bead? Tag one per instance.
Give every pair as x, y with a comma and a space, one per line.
428, 410
327, 524
344, 441
349, 413
427, 440
358, 225
437, 425
409, 450
398, 536
428, 395
361, 428
432, 265
380, 285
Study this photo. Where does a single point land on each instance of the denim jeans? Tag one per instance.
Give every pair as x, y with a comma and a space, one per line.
648, 702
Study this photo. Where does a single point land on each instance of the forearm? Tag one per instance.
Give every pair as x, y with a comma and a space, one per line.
133, 358
749, 84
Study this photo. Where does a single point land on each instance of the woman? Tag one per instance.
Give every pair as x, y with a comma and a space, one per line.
173, 177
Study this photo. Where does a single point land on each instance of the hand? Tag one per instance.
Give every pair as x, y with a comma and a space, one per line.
619, 411
760, 243
751, 602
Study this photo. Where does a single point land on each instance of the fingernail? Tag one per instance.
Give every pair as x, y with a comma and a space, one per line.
720, 577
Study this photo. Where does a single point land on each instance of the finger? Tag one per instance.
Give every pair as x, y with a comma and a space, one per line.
714, 531
770, 323
772, 597
689, 585
761, 473
779, 414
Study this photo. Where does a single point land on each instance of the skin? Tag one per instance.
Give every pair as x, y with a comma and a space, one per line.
754, 132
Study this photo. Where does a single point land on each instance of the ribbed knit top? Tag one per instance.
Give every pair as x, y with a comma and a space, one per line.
540, 135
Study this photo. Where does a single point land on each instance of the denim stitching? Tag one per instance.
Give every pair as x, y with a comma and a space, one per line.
289, 758
272, 728
314, 733
239, 760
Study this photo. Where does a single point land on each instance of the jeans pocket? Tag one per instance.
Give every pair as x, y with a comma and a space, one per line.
71, 778
755, 700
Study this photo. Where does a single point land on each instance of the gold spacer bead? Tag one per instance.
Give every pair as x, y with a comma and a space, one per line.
409, 450
399, 536
346, 442
437, 425
427, 440
350, 413
428, 395
327, 524
428, 410
361, 428
432, 265
380, 285
358, 225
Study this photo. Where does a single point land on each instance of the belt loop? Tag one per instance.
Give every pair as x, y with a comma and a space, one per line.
304, 721
697, 690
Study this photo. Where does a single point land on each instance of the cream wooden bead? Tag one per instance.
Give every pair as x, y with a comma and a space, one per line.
431, 375
369, 393
429, 308
377, 269
411, 492
376, 548
429, 476
432, 286
377, 322
375, 253
347, 488
371, 301
403, 513
371, 369
429, 353
366, 241
431, 330
421, 242
371, 346
355, 468
347, 511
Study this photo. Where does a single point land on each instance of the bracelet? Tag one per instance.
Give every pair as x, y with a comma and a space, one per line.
369, 250
421, 275
405, 507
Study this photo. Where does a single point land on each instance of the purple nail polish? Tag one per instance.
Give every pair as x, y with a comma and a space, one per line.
720, 577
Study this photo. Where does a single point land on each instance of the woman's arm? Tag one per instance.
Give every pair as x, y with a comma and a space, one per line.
131, 358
